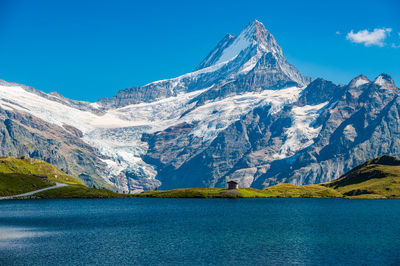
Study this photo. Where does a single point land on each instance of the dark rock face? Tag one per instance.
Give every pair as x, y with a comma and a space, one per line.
319, 91
360, 124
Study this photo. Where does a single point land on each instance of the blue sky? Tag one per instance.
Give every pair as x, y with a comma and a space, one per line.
87, 50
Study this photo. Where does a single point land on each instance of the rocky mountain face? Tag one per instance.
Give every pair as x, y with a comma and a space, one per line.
22, 134
245, 113
326, 132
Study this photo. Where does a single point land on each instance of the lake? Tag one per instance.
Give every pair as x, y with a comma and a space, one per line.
150, 231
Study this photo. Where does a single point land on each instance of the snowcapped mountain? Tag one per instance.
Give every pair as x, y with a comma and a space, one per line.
253, 58
245, 113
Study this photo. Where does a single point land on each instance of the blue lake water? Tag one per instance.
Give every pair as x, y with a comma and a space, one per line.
200, 232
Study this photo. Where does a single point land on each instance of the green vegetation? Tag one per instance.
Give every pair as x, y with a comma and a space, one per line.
21, 175
278, 191
306, 191
204, 193
30, 166
14, 184
376, 178
78, 191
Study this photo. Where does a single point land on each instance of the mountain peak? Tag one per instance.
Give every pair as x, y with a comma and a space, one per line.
254, 35
255, 24
359, 81
258, 35
384, 79
256, 28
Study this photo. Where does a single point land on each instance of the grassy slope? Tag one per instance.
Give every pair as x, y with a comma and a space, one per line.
306, 191
17, 177
204, 193
78, 191
14, 184
282, 190
376, 178
32, 166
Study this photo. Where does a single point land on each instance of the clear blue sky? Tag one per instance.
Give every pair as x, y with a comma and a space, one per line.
90, 49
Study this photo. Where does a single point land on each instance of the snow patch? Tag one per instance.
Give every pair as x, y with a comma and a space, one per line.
350, 132
249, 65
380, 81
301, 134
359, 82
213, 117
233, 50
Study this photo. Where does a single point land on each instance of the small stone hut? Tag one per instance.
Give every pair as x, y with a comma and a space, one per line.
233, 184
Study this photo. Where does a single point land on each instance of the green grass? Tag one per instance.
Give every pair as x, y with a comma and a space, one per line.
32, 166
78, 191
204, 193
369, 181
15, 183
281, 190
17, 176
375, 179
306, 191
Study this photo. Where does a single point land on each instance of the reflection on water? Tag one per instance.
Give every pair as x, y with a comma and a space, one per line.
9, 235
199, 232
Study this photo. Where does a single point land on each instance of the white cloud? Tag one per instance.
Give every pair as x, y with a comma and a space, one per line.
338, 33
367, 38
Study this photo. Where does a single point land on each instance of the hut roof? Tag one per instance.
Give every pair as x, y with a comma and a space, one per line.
233, 181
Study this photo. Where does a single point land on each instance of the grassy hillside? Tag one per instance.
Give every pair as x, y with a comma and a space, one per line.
30, 166
306, 191
78, 191
14, 184
19, 176
282, 190
376, 178
204, 193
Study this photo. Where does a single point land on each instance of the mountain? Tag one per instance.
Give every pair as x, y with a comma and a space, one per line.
245, 113
252, 61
